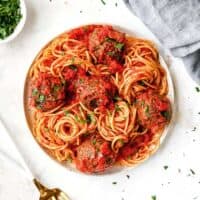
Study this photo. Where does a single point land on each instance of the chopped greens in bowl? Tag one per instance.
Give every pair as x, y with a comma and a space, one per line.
10, 16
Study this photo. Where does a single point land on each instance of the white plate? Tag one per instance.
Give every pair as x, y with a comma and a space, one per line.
20, 25
170, 95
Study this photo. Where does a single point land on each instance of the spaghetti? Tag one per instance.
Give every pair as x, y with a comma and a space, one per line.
97, 97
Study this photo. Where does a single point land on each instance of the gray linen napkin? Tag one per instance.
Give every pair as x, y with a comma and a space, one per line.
177, 24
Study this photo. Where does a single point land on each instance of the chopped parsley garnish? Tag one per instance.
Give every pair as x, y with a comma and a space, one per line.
197, 89
141, 83
94, 141
111, 53
117, 108
116, 4
109, 161
121, 142
66, 112
116, 98
89, 119
82, 121
72, 60
128, 176
114, 183
10, 15
73, 67
69, 159
194, 129
153, 197
103, 2
165, 167
192, 171
56, 88
108, 39
119, 46
147, 111
41, 98
35, 92
142, 103
166, 114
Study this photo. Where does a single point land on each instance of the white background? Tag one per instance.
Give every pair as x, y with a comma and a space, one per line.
180, 151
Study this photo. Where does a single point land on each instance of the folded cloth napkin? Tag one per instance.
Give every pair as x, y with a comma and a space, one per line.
177, 24
15, 183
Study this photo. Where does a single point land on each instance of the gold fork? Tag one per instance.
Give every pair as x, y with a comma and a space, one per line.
45, 193
50, 194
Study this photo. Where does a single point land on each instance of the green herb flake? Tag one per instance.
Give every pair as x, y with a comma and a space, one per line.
116, 98
128, 176
116, 4
108, 39
119, 46
73, 67
153, 197
69, 159
114, 183
66, 112
142, 103
192, 171
94, 141
89, 118
41, 98
35, 92
197, 89
117, 108
10, 16
194, 129
147, 111
79, 120
103, 2
165, 167
166, 114
110, 53
141, 83
121, 142
56, 88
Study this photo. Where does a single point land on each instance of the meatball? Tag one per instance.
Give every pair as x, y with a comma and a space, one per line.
153, 111
47, 92
95, 92
106, 44
94, 155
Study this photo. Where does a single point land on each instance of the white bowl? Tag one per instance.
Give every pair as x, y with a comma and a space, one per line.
20, 25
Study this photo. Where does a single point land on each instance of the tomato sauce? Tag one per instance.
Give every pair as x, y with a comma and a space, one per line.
94, 155
153, 110
47, 92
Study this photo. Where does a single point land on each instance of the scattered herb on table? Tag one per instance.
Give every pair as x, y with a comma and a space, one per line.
197, 89
194, 129
153, 197
165, 167
116, 4
103, 2
114, 183
192, 171
10, 15
128, 176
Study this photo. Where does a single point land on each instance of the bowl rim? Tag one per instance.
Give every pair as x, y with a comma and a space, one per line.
171, 95
19, 26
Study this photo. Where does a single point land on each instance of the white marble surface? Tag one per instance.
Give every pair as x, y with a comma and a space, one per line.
180, 151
